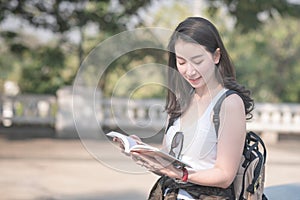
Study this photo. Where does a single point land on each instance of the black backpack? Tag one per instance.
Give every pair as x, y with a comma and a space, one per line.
249, 181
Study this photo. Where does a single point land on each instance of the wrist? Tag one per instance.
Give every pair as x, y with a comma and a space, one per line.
185, 175
176, 174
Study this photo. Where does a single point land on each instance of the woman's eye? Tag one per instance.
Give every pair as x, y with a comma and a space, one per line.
180, 62
198, 62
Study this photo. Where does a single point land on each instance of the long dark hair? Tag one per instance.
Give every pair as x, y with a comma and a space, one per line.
201, 31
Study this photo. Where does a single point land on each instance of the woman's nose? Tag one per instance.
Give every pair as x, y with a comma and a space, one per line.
190, 69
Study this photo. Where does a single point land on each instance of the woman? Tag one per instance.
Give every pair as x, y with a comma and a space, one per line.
200, 72
198, 54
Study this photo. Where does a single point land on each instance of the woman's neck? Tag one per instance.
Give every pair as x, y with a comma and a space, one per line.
207, 91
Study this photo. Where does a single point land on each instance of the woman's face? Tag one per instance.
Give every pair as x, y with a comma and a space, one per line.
195, 64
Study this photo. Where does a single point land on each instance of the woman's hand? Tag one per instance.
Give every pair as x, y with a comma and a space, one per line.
119, 141
137, 139
121, 145
159, 167
171, 171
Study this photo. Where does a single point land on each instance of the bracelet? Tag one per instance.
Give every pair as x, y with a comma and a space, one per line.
185, 175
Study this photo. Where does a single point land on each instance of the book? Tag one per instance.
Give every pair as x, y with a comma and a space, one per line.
150, 157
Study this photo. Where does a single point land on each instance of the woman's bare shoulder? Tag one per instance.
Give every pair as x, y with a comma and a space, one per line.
233, 103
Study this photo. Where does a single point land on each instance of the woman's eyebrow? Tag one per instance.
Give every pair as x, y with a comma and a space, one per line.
192, 58
197, 56
180, 57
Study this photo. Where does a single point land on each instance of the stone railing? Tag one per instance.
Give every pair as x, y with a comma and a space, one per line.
271, 119
133, 116
28, 110
268, 119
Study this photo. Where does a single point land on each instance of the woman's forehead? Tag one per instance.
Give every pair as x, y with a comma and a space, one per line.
189, 50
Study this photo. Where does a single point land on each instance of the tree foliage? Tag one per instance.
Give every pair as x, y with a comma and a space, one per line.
263, 43
267, 60
60, 17
140, 70
63, 15
41, 73
250, 14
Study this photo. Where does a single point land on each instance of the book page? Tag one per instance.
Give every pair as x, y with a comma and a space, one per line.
128, 142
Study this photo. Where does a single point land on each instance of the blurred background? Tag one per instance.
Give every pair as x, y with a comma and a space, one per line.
44, 43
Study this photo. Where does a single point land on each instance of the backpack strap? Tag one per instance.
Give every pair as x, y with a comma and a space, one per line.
252, 137
217, 108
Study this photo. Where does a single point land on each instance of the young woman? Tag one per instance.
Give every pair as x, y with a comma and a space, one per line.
200, 73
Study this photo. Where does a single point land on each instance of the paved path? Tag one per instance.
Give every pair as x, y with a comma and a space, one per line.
53, 169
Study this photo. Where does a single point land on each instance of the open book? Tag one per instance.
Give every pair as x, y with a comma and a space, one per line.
151, 157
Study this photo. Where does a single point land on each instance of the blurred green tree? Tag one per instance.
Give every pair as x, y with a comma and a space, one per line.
250, 14
267, 60
41, 73
60, 17
259, 59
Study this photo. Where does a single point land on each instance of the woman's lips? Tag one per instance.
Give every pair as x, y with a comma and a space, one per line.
194, 80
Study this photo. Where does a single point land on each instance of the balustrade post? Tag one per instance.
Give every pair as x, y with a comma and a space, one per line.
78, 113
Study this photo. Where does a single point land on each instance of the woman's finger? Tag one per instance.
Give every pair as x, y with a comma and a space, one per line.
137, 139
121, 145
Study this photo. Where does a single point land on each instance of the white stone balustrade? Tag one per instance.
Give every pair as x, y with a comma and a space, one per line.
141, 117
28, 109
271, 119
135, 116
283, 118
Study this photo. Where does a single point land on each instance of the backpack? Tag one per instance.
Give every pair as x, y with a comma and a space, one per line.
250, 178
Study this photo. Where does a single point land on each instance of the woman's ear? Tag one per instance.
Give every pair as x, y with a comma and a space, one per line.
217, 56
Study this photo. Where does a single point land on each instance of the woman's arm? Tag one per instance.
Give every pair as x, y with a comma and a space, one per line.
232, 133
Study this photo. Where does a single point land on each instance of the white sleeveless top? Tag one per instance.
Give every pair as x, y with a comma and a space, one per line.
199, 148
